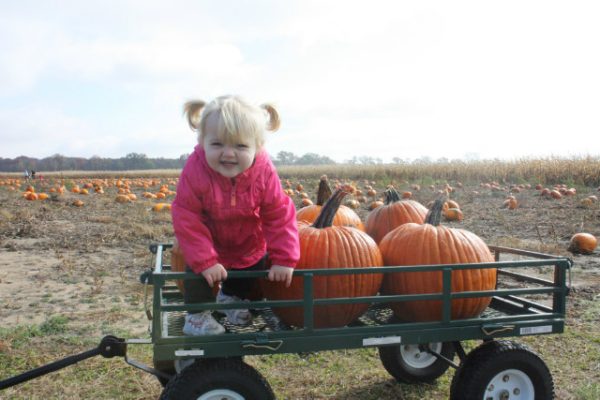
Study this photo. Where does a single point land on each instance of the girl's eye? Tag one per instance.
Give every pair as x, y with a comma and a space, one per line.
242, 146
216, 144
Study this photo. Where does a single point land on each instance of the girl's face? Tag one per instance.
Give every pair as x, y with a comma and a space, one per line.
228, 159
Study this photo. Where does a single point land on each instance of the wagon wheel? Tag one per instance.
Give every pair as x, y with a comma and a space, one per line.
222, 379
412, 363
168, 367
171, 367
502, 370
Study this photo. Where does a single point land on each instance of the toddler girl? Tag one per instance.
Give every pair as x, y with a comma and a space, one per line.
230, 210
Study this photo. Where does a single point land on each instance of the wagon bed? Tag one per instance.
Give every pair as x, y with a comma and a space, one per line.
521, 305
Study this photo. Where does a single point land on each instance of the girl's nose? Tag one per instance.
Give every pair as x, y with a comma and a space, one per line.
228, 151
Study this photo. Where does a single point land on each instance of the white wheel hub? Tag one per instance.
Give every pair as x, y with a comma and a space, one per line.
221, 394
415, 358
510, 384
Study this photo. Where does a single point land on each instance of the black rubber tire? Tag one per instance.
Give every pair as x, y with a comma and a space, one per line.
481, 365
401, 369
226, 374
168, 367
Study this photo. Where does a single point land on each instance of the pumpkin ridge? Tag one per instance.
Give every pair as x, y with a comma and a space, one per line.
459, 256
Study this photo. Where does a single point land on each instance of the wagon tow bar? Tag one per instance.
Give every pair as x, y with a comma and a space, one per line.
110, 346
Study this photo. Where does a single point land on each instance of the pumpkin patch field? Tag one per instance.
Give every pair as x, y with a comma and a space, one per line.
73, 246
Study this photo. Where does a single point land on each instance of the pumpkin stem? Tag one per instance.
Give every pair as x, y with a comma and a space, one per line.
324, 192
391, 196
329, 209
434, 216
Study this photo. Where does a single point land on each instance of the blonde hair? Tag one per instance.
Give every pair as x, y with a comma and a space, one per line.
237, 119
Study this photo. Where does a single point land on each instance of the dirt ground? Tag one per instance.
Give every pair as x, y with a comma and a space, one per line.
60, 259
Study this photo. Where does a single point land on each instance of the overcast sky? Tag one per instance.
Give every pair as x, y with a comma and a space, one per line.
454, 79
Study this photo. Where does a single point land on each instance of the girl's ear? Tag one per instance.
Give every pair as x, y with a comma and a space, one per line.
192, 110
274, 121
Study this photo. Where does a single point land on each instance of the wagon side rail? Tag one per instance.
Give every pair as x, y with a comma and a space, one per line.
522, 317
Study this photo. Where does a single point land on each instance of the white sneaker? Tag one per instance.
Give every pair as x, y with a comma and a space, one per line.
235, 316
202, 324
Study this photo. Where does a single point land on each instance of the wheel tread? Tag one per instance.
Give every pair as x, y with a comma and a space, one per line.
206, 371
486, 354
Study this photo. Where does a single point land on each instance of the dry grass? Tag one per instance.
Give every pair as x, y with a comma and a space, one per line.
583, 171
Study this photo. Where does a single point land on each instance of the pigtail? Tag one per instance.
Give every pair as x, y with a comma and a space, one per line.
274, 121
192, 110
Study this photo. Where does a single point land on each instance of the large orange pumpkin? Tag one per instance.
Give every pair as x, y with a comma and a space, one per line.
324, 245
432, 243
393, 213
345, 216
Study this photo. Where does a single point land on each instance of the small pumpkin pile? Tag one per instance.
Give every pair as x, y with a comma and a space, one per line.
431, 243
325, 245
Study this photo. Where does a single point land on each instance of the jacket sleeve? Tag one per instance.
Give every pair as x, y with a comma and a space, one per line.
280, 228
191, 232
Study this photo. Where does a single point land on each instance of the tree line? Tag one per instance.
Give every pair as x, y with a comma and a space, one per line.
132, 161
139, 161
58, 162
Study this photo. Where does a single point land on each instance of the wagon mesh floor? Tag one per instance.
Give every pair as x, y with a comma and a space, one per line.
265, 319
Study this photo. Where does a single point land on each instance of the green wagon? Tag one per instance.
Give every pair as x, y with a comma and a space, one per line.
213, 366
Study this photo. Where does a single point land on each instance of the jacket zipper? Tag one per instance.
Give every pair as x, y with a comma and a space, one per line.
233, 200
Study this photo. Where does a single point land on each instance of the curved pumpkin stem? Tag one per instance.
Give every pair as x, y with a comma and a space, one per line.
328, 211
391, 196
324, 192
434, 216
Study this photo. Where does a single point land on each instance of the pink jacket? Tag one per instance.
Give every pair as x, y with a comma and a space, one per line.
216, 220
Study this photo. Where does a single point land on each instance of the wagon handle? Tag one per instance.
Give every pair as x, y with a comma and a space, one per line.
110, 346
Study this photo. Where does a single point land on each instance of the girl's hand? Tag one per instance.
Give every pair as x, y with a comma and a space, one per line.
214, 274
279, 273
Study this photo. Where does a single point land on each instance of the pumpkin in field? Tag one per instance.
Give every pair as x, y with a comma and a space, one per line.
30, 196
158, 207
583, 243
324, 245
392, 214
453, 214
448, 204
122, 198
511, 203
432, 243
345, 216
